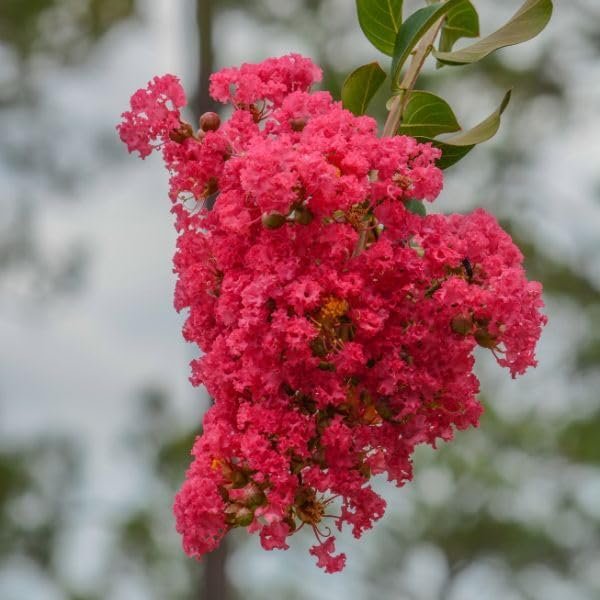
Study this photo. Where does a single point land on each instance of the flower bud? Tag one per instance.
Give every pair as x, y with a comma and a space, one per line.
365, 470
326, 366
371, 416
237, 515
384, 410
210, 121
273, 220
253, 496
303, 215
298, 124
183, 132
239, 479
485, 339
296, 464
244, 517
461, 324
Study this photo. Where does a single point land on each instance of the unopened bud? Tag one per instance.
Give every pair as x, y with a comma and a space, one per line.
365, 470
371, 416
244, 517
303, 215
239, 479
485, 339
461, 325
237, 515
210, 121
326, 366
298, 124
273, 220
212, 185
384, 409
253, 496
183, 132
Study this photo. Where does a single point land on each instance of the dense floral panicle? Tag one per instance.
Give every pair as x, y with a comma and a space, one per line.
337, 328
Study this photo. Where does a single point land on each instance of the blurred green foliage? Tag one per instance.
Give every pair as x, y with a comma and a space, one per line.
37, 483
61, 28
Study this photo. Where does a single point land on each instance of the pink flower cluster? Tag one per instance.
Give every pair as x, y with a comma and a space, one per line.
337, 328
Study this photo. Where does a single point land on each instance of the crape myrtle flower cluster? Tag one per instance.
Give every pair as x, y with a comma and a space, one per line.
337, 328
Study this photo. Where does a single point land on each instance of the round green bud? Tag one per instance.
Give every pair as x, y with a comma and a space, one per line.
273, 220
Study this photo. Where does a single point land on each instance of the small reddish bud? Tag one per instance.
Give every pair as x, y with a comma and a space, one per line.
298, 124
210, 121
212, 186
183, 132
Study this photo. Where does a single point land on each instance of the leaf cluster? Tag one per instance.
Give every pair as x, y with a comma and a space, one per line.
422, 114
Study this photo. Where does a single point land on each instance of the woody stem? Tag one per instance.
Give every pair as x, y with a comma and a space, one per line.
409, 80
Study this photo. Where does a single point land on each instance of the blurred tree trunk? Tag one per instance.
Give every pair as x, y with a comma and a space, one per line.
214, 585
205, 19
215, 580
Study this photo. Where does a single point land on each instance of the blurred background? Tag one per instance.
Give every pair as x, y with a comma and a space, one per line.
96, 414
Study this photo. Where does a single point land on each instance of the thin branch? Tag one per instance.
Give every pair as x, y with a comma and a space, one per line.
410, 79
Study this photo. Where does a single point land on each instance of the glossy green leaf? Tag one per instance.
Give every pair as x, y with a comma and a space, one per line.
360, 87
416, 207
450, 154
461, 22
380, 21
458, 146
486, 130
527, 22
426, 114
413, 29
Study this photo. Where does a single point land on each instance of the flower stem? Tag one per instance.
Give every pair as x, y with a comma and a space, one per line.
410, 79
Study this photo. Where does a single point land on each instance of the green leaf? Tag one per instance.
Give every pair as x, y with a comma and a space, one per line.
360, 87
527, 22
486, 130
461, 22
450, 154
413, 29
416, 207
426, 114
380, 21
458, 146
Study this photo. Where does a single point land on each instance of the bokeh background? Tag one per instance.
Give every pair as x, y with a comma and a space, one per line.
96, 414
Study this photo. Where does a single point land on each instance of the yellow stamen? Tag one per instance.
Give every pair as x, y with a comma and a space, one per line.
332, 310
